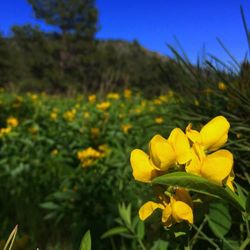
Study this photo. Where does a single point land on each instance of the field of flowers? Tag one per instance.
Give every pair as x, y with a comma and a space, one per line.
67, 167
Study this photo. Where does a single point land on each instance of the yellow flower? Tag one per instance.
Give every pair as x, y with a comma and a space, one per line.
213, 135
215, 167
34, 97
54, 152
175, 209
127, 93
92, 98
157, 101
88, 156
103, 105
114, 96
70, 115
12, 122
159, 120
126, 128
53, 115
104, 149
163, 154
222, 86
89, 152
196, 103
5, 131
86, 115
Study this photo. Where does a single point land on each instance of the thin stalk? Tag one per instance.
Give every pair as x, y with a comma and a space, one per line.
207, 238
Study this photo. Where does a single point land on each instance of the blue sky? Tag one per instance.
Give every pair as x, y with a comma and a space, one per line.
154, 23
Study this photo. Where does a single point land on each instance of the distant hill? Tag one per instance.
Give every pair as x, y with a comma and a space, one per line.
31, 60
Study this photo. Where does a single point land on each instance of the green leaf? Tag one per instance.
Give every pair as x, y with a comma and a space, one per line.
140, 229
160, 245
248, 203
125, 213
242, 197
49, 205
219, 219
86, 241
200, 185
114, 231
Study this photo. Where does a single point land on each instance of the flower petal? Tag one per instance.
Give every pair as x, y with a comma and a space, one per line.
181, 211
166, 216
148, 208
214, 133
194, 166
217, 166
193, 135
230, 180
180, 143
143, 169
161, 152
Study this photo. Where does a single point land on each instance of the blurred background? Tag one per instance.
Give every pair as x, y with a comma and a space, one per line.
84, 82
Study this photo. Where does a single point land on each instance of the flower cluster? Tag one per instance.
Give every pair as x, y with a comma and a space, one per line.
11, 123
195, 152
89, 156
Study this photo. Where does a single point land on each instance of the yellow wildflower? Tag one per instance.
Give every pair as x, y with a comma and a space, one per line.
222, 86
5, 131
145, 167
126, 128
54, 152
196, 103
175, 209
215, 167
12, 122
157, 101
127, 93
86, 115
159, 120
213, 135
104, 149
114, 96
92, 98
88, 156
53, 115
103, 105
70, 115
33, 97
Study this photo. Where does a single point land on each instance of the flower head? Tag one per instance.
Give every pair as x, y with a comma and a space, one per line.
12, 122
103, 106
163, 154
175, 209
213, 135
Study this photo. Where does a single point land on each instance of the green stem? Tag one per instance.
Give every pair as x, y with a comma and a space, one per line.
194, 239
207, 238
245, 243
141, 244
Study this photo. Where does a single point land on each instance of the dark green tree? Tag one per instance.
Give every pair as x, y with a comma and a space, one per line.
70, 16
76, 21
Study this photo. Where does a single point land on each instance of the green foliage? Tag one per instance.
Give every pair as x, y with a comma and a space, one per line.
42, 175
71, 16
200, 185
86, 241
